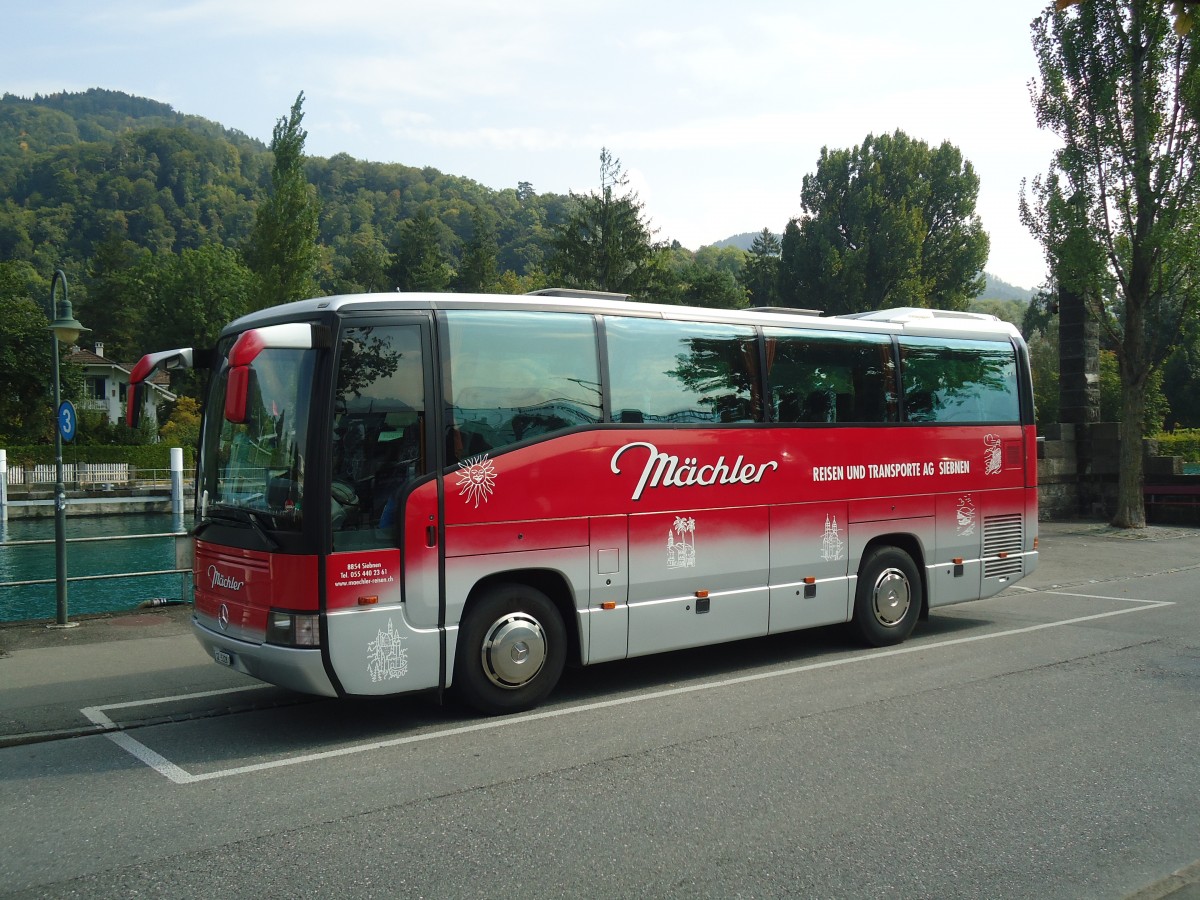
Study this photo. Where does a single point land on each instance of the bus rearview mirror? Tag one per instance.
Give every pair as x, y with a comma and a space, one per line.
135, 398
237, 394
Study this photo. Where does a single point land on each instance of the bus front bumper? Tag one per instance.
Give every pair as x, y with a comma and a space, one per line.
288, 667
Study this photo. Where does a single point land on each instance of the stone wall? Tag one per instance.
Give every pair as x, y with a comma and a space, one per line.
1078, 466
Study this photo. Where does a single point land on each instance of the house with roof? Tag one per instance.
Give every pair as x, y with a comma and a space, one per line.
106, 386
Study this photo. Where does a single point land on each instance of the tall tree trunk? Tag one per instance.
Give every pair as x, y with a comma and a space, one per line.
1135, 368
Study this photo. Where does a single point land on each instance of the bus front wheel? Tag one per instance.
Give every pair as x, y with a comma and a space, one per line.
887, 601
511, 651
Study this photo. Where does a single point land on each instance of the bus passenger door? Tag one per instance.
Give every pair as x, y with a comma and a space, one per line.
382, 597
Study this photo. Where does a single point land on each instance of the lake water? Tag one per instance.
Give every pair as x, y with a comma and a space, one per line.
99, 558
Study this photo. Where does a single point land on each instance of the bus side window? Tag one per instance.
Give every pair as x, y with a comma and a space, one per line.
828, 377
515, 376
947, 380
681, 373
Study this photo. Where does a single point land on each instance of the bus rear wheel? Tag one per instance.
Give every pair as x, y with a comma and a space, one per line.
511, 650
888, 599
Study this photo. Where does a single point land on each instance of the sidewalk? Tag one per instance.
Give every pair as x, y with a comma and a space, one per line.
47, 675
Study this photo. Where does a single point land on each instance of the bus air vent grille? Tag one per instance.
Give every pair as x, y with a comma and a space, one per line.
1013, 565
1003, 534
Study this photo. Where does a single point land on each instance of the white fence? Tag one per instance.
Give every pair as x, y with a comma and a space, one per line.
81, 474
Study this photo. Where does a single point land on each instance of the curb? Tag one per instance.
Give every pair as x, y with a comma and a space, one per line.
1173, 884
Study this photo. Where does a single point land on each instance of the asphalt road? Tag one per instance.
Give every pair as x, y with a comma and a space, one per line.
1038, 744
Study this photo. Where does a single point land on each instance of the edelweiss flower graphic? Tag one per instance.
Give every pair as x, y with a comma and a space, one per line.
476, 478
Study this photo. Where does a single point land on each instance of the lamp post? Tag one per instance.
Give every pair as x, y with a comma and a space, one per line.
65, 329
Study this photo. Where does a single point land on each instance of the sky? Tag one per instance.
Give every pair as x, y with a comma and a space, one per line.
716, 111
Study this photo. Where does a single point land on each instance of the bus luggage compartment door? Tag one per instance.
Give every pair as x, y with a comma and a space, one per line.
608, 604
697, 577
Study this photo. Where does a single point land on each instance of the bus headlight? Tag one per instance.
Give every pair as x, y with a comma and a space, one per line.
293, 629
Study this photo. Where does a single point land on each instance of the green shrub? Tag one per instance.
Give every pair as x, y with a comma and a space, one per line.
1183, 442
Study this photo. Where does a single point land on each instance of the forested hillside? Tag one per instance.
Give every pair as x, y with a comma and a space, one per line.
81, 171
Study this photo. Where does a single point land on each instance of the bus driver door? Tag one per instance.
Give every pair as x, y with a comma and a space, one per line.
382, 594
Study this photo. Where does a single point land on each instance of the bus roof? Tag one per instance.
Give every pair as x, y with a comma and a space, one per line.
906, 320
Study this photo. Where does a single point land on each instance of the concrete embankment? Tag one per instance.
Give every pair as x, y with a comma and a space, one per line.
39, 505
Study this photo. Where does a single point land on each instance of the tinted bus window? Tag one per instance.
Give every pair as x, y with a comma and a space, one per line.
682, 372
949, 380
378, 430
824, 377
518, 375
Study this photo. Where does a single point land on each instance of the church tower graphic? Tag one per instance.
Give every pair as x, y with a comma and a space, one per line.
832, 544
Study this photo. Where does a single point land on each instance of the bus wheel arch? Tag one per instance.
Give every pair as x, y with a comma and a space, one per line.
513, 644
891, 594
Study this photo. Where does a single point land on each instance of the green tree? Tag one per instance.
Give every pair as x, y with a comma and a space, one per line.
1117, 212
25, 407
1111, 393
714, 288
509, 282
1043, 360
182, 428
787, 283
418, 262
477, 273
116, 297
190, 298
1011, 311
282, 249
1181, 382
761, 276
605, 244
889, 223
361, 263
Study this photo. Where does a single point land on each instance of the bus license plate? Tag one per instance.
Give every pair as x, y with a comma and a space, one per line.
224, 658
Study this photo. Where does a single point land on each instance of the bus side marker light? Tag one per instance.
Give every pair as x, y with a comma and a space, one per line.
958, 566
810, 587
701, 595
368, 601
608, 604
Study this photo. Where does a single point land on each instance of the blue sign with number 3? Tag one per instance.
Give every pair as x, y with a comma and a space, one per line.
67, 420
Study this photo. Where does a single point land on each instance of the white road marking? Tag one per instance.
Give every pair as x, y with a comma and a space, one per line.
178, 775
97, 716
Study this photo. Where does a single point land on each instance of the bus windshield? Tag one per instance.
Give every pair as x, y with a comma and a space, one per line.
257, 466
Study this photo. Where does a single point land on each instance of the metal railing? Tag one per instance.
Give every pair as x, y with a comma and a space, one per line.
182, 556
174, 482
183, 565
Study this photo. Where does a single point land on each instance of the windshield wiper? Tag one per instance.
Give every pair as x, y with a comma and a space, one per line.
241, 518
271, 543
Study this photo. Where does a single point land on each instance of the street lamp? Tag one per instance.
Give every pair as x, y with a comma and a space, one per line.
65, 329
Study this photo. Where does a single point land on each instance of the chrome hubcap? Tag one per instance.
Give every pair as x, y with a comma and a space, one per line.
514, 650
891, 597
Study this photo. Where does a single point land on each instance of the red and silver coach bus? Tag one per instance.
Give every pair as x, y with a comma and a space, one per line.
408, 492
